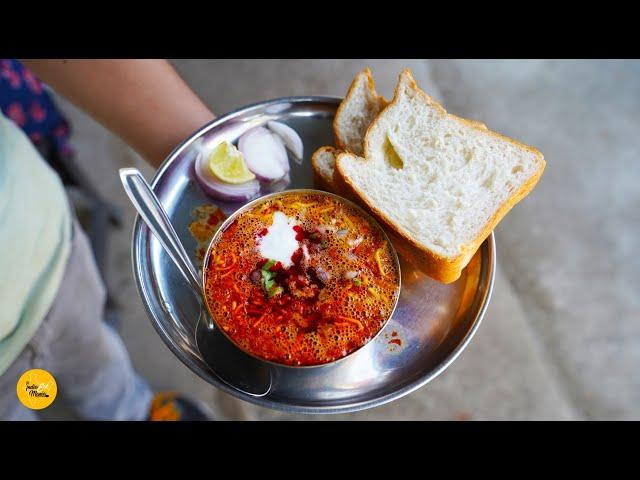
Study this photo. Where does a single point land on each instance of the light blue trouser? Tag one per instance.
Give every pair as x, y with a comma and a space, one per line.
86, 357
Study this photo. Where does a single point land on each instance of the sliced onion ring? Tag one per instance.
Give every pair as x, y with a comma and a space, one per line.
282, 155
290, 138
279, 185
239, 192
350, 275
323, 275
264, 154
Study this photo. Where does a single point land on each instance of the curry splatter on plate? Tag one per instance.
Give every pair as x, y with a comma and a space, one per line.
394, 339
207, 220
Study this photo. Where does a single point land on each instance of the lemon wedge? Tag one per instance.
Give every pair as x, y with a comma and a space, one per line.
227, 164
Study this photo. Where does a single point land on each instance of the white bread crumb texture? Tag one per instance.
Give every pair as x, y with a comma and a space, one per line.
361, 108
325, 160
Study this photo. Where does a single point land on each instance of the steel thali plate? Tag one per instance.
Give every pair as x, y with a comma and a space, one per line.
431, 326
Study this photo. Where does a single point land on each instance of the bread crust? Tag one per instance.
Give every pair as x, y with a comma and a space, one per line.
441, 268
326, 183
371, 85
468, 120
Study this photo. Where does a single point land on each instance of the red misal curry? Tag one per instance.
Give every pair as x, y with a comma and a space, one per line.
301, 279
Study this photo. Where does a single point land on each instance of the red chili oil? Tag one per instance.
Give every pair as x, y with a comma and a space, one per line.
328, 303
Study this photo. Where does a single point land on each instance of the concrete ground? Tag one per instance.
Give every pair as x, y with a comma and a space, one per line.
561, 338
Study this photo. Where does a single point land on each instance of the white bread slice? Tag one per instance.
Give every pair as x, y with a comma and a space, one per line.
359, 108
356, 112
441, 183
323, 161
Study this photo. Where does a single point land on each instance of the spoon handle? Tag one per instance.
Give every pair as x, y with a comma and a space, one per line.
156, 218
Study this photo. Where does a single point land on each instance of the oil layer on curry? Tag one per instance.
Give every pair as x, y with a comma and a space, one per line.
301, 279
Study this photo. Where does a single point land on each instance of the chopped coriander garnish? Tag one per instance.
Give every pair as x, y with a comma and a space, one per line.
357, 282
268, 279
275, 291
268, 265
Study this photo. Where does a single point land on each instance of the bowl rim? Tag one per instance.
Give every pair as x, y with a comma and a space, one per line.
309, 191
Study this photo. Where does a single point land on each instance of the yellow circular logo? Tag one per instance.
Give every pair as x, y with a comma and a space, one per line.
36, 389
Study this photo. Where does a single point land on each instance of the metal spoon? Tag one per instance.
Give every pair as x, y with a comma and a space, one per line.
229, 363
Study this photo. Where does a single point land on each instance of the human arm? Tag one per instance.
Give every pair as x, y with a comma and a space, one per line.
145, 102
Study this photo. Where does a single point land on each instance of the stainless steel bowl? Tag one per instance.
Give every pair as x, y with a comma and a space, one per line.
432, 322
264, 198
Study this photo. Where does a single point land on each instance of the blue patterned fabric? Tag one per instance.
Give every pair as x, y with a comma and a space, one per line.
24, 100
